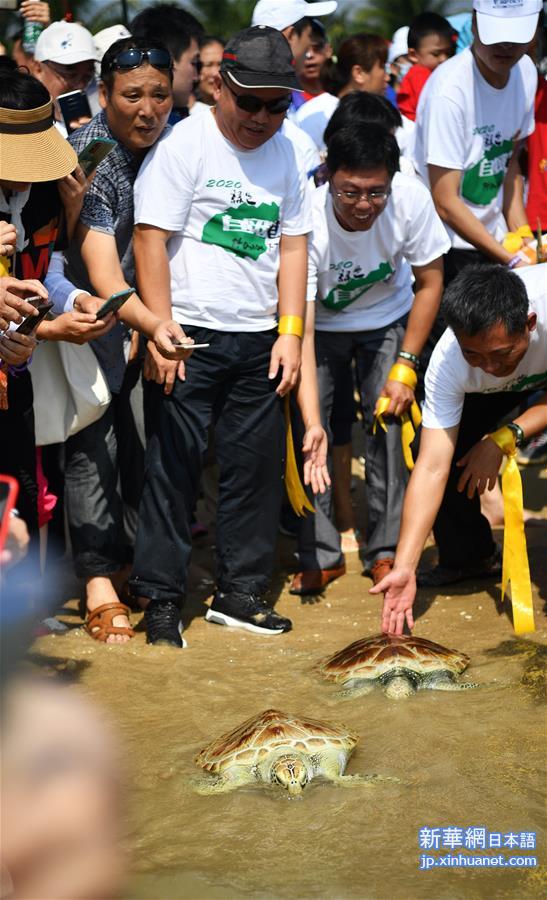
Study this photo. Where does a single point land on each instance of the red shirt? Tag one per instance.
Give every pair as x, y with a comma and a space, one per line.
410, 90
536, 207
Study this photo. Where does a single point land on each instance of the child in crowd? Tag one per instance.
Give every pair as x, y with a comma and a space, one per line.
430, 42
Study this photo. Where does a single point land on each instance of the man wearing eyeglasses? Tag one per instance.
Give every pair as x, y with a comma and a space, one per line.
64, 61
373, 229
104, 461
222, 216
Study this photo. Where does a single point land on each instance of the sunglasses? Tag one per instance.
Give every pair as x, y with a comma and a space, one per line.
250, 103
133, 58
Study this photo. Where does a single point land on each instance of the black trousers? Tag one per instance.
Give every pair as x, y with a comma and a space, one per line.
103, 473
462, 533
226, 384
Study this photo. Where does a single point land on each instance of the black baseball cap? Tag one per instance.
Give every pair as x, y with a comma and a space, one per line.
260, 57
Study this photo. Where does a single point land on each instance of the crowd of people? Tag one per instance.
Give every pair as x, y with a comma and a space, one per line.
293, 228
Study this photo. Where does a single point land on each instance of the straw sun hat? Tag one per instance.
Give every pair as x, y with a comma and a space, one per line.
31, 148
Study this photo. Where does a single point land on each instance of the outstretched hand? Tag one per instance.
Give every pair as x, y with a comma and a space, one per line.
314, 450
399, 590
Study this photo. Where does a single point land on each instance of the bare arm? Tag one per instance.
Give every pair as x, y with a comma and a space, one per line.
291, 282
429, 286
513, 193
445, 189
315, 444
422, 501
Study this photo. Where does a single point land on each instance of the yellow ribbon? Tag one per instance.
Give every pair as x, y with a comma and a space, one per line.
525, 231
4, 266
515, 557
291, 325
409, 423
295, 491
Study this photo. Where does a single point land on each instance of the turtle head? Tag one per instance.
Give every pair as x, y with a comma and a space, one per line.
400, 686
290, 772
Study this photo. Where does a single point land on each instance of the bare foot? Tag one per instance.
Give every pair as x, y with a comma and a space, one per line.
100, 590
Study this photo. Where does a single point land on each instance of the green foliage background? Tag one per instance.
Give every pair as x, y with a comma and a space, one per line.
225, 17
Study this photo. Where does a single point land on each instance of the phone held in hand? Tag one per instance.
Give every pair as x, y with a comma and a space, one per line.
93, 154
114, 302
186, 346
8, 495
74, 106
31, 322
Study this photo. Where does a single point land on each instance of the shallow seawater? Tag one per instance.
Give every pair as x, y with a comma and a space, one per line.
469, 758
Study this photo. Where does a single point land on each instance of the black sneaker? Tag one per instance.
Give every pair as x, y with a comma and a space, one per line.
163, 624
246, 611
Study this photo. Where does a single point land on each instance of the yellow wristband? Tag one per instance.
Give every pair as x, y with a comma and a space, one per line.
525, 231
505, 439
403, 374
291, 325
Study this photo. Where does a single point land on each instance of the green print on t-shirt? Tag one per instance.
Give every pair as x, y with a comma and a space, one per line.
342, 295
243, 230
482, 182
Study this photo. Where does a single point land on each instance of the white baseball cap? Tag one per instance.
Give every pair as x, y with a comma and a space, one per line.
282, 13
399, 44
108, 36
66, 43
507, 21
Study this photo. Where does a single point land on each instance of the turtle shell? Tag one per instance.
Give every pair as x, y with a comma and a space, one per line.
258, 736
370, 658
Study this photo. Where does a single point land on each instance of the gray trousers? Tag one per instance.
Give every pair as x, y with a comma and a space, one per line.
374, 353
103, 481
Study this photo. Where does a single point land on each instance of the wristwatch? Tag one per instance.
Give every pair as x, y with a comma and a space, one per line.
518, 432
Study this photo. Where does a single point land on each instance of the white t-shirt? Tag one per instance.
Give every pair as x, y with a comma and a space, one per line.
304, 145
313, 117
227, 209
449, 377
362, 279
464, 123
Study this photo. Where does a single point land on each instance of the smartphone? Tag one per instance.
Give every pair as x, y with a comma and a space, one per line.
94, 153
187, 346
8, 495
32, 322
115, 302
73, 106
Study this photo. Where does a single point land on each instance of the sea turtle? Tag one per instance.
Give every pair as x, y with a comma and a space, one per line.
282, 750
401, 664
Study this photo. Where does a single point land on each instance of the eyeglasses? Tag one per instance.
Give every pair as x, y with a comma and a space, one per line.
252, 104
133, 58
72, 76
350, 198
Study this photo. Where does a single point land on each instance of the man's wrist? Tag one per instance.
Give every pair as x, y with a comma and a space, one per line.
291, 325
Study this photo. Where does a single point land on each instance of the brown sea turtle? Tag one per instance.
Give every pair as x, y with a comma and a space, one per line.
277, 749
401, 664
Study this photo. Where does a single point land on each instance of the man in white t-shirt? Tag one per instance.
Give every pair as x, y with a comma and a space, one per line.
372, 229
473, 114
222, 216
492, 357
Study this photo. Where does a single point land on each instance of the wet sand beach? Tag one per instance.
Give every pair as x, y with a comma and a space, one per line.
464, 759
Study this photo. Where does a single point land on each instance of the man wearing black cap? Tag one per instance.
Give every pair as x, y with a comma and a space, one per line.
222, 211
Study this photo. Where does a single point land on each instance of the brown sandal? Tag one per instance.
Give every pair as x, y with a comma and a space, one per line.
99, 622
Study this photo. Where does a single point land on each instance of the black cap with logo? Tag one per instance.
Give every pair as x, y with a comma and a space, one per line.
260, 57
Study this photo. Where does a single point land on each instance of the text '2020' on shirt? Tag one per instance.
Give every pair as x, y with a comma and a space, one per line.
464, 123
227, 209
449, 377
362, 279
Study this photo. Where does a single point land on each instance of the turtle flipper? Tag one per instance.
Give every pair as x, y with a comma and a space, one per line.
452, 686
222, 784
362, 688
330, 769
